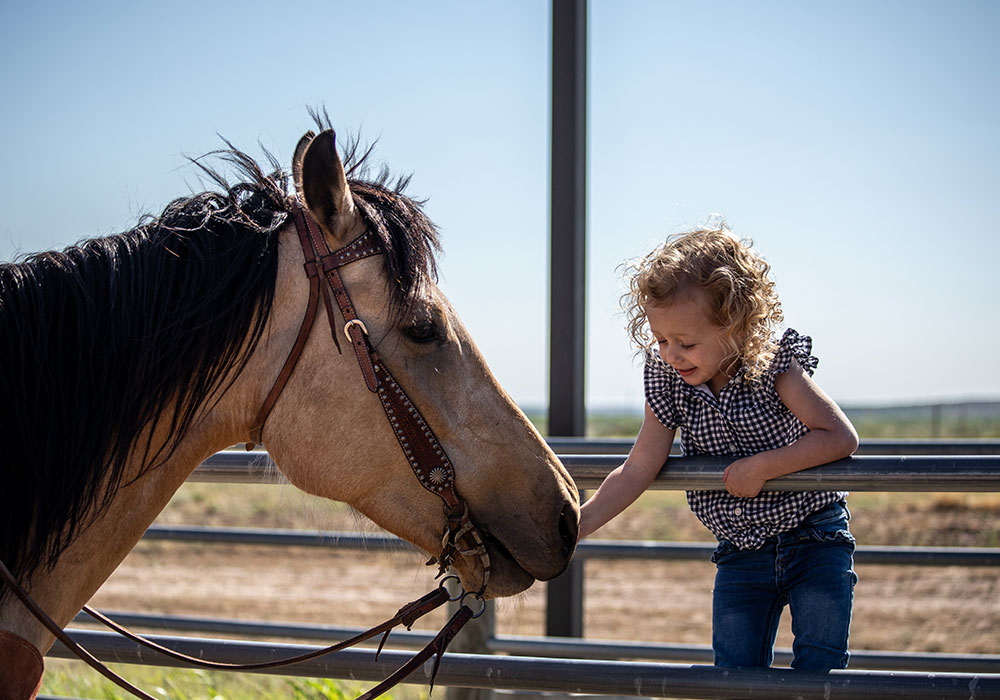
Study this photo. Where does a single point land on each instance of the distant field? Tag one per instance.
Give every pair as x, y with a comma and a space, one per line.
952, 420
956, 420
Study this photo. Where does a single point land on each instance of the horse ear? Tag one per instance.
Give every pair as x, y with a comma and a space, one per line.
300, 151
323, 183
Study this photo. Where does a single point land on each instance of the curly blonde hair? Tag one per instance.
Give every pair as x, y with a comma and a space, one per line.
733, 276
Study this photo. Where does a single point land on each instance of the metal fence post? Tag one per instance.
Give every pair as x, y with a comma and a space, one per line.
567, 304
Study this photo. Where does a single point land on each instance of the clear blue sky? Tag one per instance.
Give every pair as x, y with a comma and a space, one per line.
856, 142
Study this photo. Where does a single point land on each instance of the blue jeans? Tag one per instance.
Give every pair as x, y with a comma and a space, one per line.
810, 569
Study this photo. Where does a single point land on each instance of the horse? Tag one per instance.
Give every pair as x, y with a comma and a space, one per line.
126, 361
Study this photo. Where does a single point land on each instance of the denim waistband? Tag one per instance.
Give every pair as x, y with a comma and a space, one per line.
827, 524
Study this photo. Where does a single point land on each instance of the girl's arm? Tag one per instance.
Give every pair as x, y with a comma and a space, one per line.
631, 479
831, 436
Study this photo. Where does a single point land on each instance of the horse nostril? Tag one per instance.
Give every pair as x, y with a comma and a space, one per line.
569, 529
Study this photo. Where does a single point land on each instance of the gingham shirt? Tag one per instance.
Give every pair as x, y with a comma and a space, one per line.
746, 418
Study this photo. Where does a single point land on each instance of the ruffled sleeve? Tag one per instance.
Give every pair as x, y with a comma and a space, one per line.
792, 345
661, 387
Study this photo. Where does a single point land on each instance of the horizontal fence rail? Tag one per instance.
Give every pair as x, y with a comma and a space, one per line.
588, 549
704, 473
625, 678
524, 645
868, 446
920, 473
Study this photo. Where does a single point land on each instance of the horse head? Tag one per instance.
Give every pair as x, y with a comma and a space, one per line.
328, 433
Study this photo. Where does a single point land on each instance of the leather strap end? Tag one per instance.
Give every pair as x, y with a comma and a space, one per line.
21, 668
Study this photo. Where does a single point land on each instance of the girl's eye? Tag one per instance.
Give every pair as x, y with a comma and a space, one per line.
686, 347
422, 332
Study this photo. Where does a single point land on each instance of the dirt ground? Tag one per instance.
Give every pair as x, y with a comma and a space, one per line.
947, 609
897, 608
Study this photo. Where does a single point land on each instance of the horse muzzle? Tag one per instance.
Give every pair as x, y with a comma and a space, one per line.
519, 558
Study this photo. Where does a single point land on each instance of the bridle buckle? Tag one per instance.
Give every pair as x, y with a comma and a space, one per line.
352, 322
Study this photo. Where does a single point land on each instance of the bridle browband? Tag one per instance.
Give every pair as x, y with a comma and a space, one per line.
421, 447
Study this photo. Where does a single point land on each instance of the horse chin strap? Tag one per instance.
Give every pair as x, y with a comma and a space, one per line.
421, 447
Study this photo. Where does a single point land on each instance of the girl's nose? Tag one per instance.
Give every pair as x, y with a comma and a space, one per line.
672, 355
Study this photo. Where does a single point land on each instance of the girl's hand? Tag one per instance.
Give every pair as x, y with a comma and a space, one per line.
743, 479
631, 479
830, 437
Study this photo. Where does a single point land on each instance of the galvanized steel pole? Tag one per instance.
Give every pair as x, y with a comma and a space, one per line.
588, 549
568, 270
624, 678
867, 473
568, 221
874, 473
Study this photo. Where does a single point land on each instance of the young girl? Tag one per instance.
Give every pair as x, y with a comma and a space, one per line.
704, 310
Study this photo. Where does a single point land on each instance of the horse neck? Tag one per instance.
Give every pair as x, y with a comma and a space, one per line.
96, 553
91, 558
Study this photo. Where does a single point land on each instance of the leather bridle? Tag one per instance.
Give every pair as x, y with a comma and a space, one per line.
421, 447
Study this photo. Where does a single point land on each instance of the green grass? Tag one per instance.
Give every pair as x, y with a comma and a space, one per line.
74, 679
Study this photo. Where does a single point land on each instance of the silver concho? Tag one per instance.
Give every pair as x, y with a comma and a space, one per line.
437, 476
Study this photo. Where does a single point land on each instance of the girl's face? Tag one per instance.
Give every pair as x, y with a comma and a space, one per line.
689, 342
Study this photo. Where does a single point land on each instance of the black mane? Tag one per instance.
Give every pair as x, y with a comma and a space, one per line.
107, 338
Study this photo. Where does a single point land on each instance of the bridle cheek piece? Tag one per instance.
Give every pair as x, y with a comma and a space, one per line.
421, 447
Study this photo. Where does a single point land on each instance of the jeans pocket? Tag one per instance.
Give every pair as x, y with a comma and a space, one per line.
725, 548
830, 513
842, 535
829, 524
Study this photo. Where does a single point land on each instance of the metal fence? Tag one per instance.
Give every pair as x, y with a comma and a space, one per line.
865, 472
968, 465
622, 678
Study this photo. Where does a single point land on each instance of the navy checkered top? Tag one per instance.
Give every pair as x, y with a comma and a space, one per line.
746, 418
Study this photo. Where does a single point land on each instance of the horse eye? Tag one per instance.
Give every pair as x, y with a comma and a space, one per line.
422, 332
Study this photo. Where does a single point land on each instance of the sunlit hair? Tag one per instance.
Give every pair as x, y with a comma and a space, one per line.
731, 275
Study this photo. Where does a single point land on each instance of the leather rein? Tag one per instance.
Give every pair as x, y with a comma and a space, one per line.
423, 451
